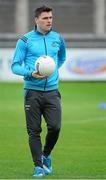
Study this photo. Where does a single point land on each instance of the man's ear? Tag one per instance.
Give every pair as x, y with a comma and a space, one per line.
36, 20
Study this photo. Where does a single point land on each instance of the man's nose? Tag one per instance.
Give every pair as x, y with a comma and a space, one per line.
49, 19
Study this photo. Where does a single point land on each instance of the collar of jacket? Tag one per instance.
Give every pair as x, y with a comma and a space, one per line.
35, 29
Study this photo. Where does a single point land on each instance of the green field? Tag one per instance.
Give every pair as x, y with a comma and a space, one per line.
81, 150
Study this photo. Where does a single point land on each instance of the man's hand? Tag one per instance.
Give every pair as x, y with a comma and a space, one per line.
38, 76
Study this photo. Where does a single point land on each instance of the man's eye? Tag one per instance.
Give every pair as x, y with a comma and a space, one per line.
45, 18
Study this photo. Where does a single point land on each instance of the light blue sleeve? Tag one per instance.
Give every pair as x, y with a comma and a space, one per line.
19, 58
61, 53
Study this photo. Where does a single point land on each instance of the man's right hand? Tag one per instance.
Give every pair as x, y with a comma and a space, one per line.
38, 76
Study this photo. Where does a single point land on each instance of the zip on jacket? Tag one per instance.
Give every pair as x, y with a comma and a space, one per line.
46, 55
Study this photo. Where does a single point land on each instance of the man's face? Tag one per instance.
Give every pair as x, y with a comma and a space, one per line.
44, 22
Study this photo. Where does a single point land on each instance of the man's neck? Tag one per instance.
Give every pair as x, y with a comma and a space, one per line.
42, 31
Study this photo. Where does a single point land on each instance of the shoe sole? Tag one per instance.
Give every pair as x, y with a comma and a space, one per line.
38, 176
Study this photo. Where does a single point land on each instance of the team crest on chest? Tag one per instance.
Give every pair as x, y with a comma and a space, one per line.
54, 44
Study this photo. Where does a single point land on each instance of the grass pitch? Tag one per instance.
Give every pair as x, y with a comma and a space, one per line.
80, 152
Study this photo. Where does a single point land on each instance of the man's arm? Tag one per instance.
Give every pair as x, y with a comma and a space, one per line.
18, 59
61, 53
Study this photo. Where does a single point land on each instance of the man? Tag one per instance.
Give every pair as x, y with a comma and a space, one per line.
41, 92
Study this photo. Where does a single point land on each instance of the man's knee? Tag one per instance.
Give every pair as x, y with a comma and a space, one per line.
34, 131
54, 129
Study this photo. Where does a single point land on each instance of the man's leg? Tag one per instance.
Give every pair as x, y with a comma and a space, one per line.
33, 121
52, 115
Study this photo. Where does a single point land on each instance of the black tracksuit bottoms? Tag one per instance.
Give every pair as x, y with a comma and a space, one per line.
48, 105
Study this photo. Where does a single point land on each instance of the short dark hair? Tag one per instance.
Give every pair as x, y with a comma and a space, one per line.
41, 9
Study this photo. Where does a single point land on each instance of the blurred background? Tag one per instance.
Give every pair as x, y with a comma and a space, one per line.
81, 22
79, 19
81, 150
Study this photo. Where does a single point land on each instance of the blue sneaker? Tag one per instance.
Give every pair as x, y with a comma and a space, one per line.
38, 172
47, 165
